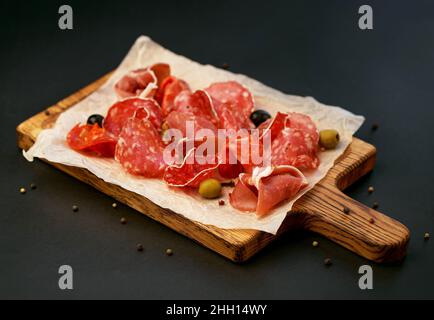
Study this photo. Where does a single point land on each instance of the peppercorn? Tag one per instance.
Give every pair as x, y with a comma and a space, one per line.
371, 189
315, 244
114, 205
372, 221
375, 206
169, 252
346, 210
222, 203
375, 127
75, 208
225, 66
328, 262
23, 190
123, 221
426, 236
140, 248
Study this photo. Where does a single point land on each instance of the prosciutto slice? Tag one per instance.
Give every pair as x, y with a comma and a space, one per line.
266, 187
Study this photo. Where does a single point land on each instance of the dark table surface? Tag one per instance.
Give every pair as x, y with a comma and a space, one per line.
308, 48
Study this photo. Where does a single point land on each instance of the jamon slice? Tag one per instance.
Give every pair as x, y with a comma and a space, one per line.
233, 103
140, 149
266, 188
121, 111
92, 140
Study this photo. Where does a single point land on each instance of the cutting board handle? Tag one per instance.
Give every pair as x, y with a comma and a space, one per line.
355, 226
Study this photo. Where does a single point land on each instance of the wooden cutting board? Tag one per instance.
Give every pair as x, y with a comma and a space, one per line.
363, 230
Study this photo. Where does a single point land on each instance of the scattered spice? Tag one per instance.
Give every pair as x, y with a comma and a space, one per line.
372, 221
23, 190
114, 205
140, 248
169, 252
222, 203
328, 262
371, 189
426, 236
315, 244
346, 210
225, 66
376, 205
123, 221
75, 208
47, 112
375, 127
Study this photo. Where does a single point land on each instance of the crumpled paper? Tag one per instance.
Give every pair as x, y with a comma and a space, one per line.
51, 143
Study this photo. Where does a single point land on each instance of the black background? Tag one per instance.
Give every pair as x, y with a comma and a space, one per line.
308, 48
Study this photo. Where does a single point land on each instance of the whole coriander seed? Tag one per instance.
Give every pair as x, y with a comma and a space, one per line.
375, 206
23, 190
372, 221
123, 221
371, 189
114, 205
75, 208
426, 236
328, 262
315, 244
169, 252
346, 210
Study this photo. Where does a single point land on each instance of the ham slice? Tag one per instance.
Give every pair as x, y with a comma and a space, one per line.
266, 187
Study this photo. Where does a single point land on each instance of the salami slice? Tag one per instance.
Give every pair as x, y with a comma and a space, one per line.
196, 104
297, 143
190, 173
267, 187
121, 111
169, 89
92, 140
233, 103
140, 149
161, 72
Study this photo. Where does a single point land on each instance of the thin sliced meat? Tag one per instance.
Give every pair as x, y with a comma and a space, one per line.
197, 104
190, 173
121, 111
140, 149
267, 187
92, 140
182, 121
233, 103
162, 72
297, 143
169, 89
135, 83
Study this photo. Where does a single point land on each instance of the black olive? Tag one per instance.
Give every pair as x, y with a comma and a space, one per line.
95, 119
259, 116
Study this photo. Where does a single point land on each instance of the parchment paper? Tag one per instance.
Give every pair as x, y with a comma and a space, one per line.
52, 146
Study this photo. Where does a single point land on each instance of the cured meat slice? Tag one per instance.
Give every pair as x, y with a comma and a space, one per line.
121, 111
297, 143
92, 140
180, 121
197, 104
190, 173
161, 72
140, 149
267, 187
168, 91
134, 83
233, 103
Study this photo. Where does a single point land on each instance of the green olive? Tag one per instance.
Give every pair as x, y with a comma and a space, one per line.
210, 189
329, 139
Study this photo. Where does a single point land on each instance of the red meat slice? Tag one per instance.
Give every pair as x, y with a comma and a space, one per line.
134, 83
161, 71
178, 120
266, 188
121, 111
190, 173
297, 143
233, 103
168, 91
92, 140
197, 104
140, 149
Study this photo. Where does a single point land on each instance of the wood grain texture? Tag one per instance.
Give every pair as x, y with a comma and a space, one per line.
363, 230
